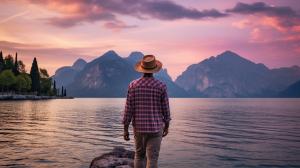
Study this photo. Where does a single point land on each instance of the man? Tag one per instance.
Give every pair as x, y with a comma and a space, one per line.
147, 105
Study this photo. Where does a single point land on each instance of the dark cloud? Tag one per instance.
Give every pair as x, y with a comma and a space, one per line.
76, 11
167, 10
261, 7
69, 21
285, 15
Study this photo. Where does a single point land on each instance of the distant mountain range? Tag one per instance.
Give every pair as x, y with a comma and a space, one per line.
107, 76
226, 75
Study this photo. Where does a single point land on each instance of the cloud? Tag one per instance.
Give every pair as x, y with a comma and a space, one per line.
69, 21
269, 24
261, 7
167, 10
118, 25
283, 17
76, 12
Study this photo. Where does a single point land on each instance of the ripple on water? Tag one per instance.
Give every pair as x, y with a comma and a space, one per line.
203, 132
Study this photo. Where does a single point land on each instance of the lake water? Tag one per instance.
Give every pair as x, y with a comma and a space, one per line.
203, 132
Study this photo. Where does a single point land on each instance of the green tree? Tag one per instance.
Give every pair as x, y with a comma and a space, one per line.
7, 80
16, 66
9, 62
23, 82
2, 63
20, 83
65, 92
62, 90
46, 82
46, 86
35, 77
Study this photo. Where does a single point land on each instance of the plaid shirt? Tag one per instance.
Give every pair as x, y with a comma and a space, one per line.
147, 105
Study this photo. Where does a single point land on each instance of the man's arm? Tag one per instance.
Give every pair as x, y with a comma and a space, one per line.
127, 114
166, 111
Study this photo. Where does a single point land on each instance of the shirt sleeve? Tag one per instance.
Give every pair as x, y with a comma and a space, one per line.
165, 106
128, 108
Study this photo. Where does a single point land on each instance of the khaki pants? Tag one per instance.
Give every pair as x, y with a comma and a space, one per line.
147, 146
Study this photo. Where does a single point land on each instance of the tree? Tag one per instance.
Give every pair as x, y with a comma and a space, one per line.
9, 62
21, 67
46, 82
62, 90
44, 73
35, 77
46, 85
23, 82
2, 63
28, 81
7, 80
20, 83
16, 66
65, 92
54, 88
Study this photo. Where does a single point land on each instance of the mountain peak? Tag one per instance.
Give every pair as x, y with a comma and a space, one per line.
229, 54
135, 56
79, 64
109, 55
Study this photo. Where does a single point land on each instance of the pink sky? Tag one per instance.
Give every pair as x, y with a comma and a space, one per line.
179, 33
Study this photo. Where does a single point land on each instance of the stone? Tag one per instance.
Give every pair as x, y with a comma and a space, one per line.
118, 158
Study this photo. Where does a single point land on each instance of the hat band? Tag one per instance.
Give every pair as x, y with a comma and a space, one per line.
153, 67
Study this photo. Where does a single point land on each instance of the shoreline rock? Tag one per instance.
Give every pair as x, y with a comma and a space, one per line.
118, 158
30, 97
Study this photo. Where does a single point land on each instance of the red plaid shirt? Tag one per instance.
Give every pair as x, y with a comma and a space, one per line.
147, 105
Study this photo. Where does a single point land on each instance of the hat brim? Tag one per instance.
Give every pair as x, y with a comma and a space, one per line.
138, 67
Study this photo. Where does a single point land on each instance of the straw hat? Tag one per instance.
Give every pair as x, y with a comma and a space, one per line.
148, 64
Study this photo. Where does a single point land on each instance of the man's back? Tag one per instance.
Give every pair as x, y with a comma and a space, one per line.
147, 105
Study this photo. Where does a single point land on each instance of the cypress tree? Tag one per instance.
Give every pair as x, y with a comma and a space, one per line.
1, 61
65, 93
62, 90
35, 77
16, 66
54, 88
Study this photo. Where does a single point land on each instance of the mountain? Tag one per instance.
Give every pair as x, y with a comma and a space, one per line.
65, 75
292, 91
224, 75
106, 76
109, 76
230, 75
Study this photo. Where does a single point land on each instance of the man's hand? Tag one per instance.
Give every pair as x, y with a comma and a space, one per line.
126, 133
126, 136
166, 129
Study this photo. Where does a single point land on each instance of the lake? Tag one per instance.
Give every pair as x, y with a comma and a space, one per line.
203, 132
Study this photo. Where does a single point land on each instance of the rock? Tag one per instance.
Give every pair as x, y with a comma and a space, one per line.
118, 158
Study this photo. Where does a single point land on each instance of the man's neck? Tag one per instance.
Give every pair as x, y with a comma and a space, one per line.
148, 75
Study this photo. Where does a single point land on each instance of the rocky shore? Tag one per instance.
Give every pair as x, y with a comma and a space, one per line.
30, 97
118, 158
